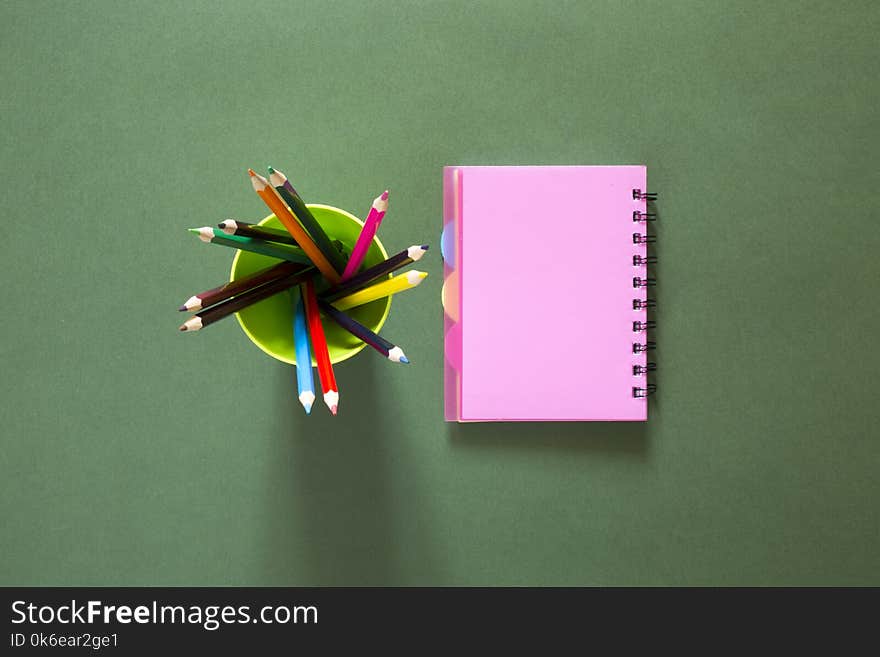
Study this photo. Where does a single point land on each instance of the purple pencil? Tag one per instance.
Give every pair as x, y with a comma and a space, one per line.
391, 351
365, 239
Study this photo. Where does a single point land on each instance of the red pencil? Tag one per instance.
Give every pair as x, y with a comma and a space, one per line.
319, 345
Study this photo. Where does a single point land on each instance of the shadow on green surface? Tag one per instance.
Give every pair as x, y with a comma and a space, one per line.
336, 476
625, 439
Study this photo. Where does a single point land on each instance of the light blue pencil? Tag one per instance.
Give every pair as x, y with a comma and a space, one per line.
305, 381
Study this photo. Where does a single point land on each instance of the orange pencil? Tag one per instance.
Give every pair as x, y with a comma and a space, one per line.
285, 216
319, 345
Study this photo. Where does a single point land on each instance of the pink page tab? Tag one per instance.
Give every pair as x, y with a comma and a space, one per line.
538, 293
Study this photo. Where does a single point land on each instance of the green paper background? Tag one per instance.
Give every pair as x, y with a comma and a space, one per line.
133, 454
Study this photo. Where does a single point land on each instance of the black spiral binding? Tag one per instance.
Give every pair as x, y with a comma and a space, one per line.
648, 390
643, 282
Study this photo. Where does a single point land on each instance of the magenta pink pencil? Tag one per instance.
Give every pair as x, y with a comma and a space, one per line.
371, 225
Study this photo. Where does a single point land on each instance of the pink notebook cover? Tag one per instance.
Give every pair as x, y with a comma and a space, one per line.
538, 293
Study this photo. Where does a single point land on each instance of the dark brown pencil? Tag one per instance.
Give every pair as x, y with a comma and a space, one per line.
252, 296
238, 286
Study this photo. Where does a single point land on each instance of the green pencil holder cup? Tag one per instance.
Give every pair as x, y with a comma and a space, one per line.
269, 323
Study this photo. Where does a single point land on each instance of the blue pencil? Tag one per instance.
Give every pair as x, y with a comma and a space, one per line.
305, 381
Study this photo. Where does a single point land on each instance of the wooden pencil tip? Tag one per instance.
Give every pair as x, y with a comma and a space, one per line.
182, 308
271, 170
333, 409
384, 196
182, 327
251, 172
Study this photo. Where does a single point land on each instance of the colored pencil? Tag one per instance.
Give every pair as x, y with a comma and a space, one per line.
395, 262
358, 330
305, 381
233, 305
211, 235
399, 283
293, 200
319, 344
244, 229
365, 239
229, 290
235, 227
285, 216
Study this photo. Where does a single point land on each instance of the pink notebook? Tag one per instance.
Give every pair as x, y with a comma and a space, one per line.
544, 294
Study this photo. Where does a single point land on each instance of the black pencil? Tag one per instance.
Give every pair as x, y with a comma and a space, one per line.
236, 227
266, 233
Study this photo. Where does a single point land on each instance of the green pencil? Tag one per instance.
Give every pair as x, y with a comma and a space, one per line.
289, 195
271, 249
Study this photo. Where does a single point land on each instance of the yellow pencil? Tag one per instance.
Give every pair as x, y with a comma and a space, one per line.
399, 283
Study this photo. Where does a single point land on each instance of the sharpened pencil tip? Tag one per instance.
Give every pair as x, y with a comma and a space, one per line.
278, 179
182, 308
251, 172
194, 231
333, 409
404, 359
384, 196
308, 408
425, 247
182, 327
